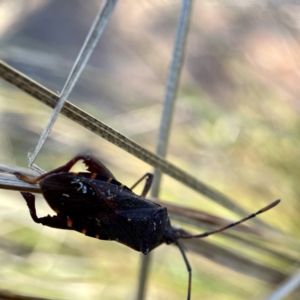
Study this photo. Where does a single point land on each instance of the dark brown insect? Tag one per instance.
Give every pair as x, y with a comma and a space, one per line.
99, 206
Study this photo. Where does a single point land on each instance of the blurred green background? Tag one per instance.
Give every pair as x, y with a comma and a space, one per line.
236, 127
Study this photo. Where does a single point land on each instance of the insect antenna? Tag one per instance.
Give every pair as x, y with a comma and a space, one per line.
188, 266
205, 234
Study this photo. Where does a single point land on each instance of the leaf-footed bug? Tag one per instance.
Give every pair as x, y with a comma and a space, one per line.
97, 205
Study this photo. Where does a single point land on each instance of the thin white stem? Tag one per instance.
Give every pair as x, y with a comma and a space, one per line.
84, 55
165, 125
286, 288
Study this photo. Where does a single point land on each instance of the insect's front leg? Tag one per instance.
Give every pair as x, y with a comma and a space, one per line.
93, 165
54, 221
65, 168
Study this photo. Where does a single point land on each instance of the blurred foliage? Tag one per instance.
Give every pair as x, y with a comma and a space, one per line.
236, 127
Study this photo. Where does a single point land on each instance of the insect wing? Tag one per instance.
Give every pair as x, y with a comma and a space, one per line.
135, 222
123, 201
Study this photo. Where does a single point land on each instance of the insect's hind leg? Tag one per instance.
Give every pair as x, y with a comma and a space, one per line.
149, 180
55, 221
93, 165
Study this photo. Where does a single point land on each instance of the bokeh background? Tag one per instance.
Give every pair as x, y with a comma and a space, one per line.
236, 127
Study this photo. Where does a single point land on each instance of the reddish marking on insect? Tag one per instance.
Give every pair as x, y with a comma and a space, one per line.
84, 231
97, 236
70, 223
74, 174
121, 186
94, 175
109, 180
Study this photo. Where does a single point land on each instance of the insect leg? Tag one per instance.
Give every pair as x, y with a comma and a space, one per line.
149, 179
93, 165
65, 168
55, 221
189, 269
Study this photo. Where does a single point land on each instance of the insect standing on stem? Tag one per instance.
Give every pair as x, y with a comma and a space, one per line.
97, 205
